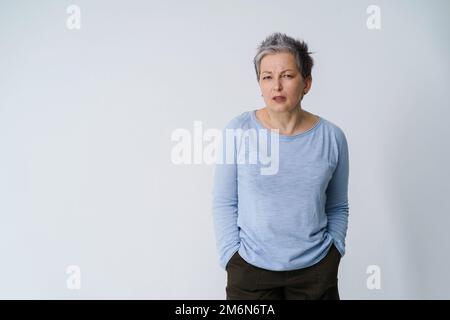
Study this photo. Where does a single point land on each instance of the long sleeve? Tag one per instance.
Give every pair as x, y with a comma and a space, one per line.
336, 207
225, 206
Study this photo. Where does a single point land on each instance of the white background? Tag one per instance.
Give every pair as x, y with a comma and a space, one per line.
86, 117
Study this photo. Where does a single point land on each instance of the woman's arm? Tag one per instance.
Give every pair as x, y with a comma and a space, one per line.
337, 207
225, 204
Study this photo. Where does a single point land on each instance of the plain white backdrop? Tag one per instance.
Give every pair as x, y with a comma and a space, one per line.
86, 117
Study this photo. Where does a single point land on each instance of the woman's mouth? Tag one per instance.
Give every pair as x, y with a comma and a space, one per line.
279, 99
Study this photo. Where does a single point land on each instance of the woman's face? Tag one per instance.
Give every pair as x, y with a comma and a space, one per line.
279, 76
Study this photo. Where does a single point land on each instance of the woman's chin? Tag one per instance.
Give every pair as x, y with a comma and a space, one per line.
280, 108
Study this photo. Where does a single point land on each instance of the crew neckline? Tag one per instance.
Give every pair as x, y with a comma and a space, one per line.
283, 136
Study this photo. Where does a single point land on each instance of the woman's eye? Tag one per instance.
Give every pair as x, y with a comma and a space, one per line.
286, 75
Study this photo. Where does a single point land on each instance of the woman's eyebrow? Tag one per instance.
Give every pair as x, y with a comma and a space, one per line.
281, 71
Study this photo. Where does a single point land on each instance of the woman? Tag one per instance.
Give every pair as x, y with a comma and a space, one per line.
282, 235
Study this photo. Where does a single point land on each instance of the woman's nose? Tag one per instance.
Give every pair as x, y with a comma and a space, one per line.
277, 85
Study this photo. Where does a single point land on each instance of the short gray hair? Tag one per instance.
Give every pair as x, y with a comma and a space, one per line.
279, 42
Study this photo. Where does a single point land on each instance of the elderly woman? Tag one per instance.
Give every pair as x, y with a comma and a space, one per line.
282, 235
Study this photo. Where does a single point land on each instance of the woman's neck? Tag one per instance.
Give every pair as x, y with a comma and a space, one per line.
288, 123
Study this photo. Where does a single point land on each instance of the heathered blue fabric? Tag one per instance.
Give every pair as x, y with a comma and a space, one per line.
288, 220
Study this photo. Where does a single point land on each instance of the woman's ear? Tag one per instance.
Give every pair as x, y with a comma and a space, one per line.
308, 84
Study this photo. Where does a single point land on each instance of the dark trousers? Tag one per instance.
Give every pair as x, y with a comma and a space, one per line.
317, 282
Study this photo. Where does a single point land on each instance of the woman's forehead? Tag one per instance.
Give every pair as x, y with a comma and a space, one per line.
278, 61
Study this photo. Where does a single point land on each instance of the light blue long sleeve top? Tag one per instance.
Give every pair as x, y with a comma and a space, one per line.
285, 220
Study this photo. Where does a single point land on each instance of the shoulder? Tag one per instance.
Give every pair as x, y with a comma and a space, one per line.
334, 130
241, 120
